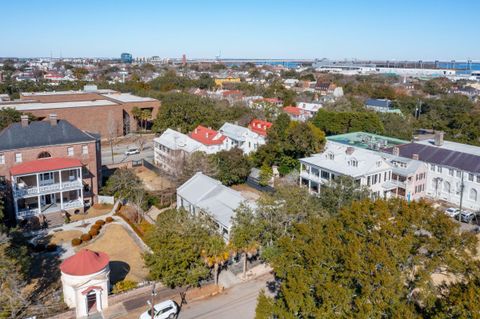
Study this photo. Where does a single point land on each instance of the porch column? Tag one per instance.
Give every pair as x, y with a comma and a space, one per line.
98, 296
309, 186
61, 200
38, 183
60, 178
15, 204
39, 203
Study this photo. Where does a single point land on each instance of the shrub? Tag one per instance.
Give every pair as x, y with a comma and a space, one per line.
109, 219
85, 237
124, 285
96, 227
76, 241
93, 232
100, 222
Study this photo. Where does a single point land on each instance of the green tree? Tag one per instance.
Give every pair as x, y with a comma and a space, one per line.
266, 174
233, 167
177, 242
10, 115
124, 183
215, 254
340, 192
80, 73
371, 260
245, 234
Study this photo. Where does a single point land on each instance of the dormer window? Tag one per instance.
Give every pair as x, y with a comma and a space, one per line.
379, 163
353, 163
330, 156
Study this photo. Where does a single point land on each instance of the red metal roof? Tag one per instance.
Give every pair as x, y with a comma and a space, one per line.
85, 262
292, 110
45, 165
259, 126
207, 136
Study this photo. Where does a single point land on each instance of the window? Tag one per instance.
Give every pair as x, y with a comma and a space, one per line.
368, 180
439, 169
2, 159
44, 155
353, 163
84, 149
432, 168
325, 175
478, 176
473, 194
459, 174
446, 186
70, 151
450, 172
331, 156
470, 177
18, 157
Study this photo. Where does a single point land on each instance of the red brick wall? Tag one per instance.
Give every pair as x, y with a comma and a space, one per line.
90, 161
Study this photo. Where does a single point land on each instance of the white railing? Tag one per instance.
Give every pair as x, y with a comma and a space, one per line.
73, 204
33, 190
27, 212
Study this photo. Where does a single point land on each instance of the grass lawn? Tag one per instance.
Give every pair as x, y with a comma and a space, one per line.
94, 211
126, 260
64, 236
152, 181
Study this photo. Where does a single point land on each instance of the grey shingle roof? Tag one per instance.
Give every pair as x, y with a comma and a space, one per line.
441, 156
42, 133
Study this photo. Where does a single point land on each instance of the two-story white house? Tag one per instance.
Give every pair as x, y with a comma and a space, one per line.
171, 149
453, 170
367, 168
241, 137
213, 141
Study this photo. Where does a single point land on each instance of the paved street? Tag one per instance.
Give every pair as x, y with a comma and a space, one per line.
119, 153
238, 302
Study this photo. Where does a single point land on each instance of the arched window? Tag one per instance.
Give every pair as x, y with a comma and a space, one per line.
446, 187
473, 194
44, 155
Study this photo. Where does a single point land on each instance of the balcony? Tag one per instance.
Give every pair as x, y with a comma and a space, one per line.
45, 189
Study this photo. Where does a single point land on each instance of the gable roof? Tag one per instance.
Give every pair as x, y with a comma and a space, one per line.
236, 132
212, 197
207, 136
440, 156
42, 133
259, 126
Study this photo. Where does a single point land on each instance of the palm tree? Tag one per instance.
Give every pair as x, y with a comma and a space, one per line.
137, 113
215, 254
145, 115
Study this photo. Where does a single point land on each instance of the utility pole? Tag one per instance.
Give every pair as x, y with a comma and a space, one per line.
152, 302
461, 199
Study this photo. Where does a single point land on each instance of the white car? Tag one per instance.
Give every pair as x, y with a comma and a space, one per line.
466, 216
165, 310
132, 151
452, 212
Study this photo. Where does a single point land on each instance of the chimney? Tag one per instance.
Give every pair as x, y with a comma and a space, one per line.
396, 151
24, 120
415, 157
438, 138
350, 150
53, 119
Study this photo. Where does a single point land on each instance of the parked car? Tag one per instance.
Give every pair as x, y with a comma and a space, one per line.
467, 216
165, 310
452, 212
132, 151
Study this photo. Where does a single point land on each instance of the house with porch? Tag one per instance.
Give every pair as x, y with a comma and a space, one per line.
48, 168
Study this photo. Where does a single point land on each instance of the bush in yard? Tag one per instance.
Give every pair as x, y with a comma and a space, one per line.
85, 237
100, 222
93, 232
109, 219
124, 285
76, 241
51, 247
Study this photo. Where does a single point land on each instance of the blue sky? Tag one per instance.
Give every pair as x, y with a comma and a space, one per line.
374, 29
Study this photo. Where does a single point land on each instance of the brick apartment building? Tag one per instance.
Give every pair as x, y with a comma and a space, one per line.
104, 112
48, 167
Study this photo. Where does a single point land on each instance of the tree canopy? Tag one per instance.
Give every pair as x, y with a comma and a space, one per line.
373, 260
